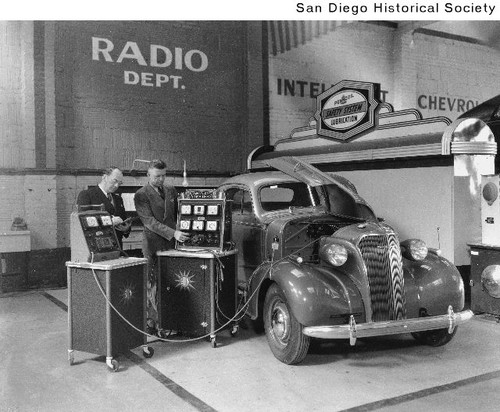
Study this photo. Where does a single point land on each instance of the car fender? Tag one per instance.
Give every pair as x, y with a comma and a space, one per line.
316, 295
432, 284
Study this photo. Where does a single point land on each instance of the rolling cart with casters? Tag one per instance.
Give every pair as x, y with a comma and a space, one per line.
198, 292
106, 308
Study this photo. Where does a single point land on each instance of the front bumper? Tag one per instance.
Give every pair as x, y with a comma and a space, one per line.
352, 331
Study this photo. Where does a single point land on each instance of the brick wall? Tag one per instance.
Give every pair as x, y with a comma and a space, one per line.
200, 116
40, 193
445, 74
32, 197
450, 75
354, 51
12, 200
17, 131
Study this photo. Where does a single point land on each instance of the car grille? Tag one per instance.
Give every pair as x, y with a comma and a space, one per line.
382, 257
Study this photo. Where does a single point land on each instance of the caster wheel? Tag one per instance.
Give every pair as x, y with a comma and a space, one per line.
114, 366
71, 358
148, 352
213, 342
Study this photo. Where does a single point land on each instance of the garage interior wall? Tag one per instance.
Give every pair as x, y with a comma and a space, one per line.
179, 91
66, 114
437, 73
348, 51
417, 67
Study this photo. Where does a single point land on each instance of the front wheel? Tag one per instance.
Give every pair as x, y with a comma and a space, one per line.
435, 338
283, 331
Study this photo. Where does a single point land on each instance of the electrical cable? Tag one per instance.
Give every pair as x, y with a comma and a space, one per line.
208, 335
155, 336
271, 267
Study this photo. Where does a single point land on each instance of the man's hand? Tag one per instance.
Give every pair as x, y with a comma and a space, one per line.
124, 226
116, 220
181, 236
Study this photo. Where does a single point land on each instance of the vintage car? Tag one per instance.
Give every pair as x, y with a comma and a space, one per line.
314, 261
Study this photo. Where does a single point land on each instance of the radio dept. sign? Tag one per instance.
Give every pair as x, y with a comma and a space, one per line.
346, 109
156, 56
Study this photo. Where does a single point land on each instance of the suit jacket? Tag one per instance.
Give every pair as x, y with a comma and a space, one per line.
95, 196
159, 217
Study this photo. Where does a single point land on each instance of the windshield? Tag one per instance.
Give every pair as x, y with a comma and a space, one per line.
297, 194
286, 195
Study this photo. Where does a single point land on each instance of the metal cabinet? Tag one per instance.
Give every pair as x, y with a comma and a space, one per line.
197, 292
106, 307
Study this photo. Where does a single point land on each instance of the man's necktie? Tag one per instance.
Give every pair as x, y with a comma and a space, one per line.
110, 198
161, 192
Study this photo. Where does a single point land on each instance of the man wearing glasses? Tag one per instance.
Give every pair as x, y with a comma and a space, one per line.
104, 193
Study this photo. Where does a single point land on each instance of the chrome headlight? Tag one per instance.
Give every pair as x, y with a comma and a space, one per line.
414, 249
333, 254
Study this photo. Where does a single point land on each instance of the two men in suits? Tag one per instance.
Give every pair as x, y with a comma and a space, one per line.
104, 193
156, 205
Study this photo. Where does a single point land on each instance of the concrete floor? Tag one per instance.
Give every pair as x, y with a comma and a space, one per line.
241, 374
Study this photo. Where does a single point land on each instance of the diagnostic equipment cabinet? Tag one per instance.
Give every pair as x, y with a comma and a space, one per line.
106, 291
198, 292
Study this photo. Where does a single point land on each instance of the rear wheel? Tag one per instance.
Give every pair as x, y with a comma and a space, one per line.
438, 337
283, 331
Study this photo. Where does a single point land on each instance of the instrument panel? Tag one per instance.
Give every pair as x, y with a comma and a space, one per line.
93, 237
205, 217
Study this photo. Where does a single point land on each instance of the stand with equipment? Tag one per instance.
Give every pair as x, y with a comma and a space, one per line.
106, 292
205, 215
197, 281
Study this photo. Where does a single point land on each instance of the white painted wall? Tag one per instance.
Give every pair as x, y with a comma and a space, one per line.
415, 202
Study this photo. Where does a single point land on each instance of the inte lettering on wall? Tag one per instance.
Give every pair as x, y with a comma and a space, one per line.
304, 88
158, 56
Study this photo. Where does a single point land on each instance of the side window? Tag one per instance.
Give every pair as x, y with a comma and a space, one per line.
241, 203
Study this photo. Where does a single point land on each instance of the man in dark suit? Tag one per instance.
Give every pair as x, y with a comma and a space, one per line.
104, 193
156, 205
